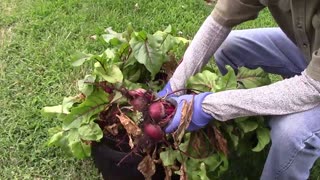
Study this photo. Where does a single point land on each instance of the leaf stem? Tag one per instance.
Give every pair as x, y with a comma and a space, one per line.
101, 64
167, 34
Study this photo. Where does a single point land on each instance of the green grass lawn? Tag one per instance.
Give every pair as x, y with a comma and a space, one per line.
37, 38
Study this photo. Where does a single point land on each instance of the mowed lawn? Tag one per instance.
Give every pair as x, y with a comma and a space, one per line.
37, 38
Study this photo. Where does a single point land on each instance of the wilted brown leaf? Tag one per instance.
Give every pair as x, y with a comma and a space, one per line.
183, 171
200, 144
112, 129
131, 144
168, 172
129, 125
196, 142
186, 114
221, 142
147, 167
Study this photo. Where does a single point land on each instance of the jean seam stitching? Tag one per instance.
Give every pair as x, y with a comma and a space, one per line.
285, 167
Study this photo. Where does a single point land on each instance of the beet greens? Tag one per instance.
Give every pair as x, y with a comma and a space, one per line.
117, 101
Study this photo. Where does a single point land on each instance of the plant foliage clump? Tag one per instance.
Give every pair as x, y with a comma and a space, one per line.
135, 65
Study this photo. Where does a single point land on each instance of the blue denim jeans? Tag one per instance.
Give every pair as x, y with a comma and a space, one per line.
295, 137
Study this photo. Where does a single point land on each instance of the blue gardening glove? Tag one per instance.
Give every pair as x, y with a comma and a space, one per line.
199, 118
166, 90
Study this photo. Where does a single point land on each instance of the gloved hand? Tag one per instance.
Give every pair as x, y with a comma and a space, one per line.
166, 90
199, 118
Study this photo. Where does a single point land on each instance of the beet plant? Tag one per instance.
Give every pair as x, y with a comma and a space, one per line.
117, 102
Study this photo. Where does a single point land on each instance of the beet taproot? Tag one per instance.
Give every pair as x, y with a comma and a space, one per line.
154, 131
139, 103
157, 111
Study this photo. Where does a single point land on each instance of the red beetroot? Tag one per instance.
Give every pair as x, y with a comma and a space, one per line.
157, 111
154, 131
108, 90
169, 108
161, 111
139, 103
137, 92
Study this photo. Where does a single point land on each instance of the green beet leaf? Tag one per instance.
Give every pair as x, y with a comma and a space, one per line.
58, 137
86, 85
64, 108
110, 73
204, 81
233, 137
263, 139
55, 138
202, 173
247, 124
68, 102
196, 169
165, 39
90, 132
146, 50
113, 37
110, 53
82, 114
214, 165
213, 162
253, 78
77, 147
127, 34
168, 43
132, 72
223, 167
227, 81
53, 109
79, 58
169, 157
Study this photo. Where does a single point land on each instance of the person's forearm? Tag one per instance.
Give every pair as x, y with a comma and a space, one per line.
204, 44
292, 95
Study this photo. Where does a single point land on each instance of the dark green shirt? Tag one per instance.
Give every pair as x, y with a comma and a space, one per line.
299, 19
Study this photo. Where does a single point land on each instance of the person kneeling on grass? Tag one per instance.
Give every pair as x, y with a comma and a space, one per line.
292, 50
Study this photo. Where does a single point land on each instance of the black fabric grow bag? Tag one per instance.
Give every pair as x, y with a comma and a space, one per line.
106, 158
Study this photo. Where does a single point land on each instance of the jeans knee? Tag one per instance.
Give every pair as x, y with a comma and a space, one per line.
223, 55
288, 134
228, 44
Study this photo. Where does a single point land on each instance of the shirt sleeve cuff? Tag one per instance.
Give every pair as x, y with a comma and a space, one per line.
313, 69
232, 13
